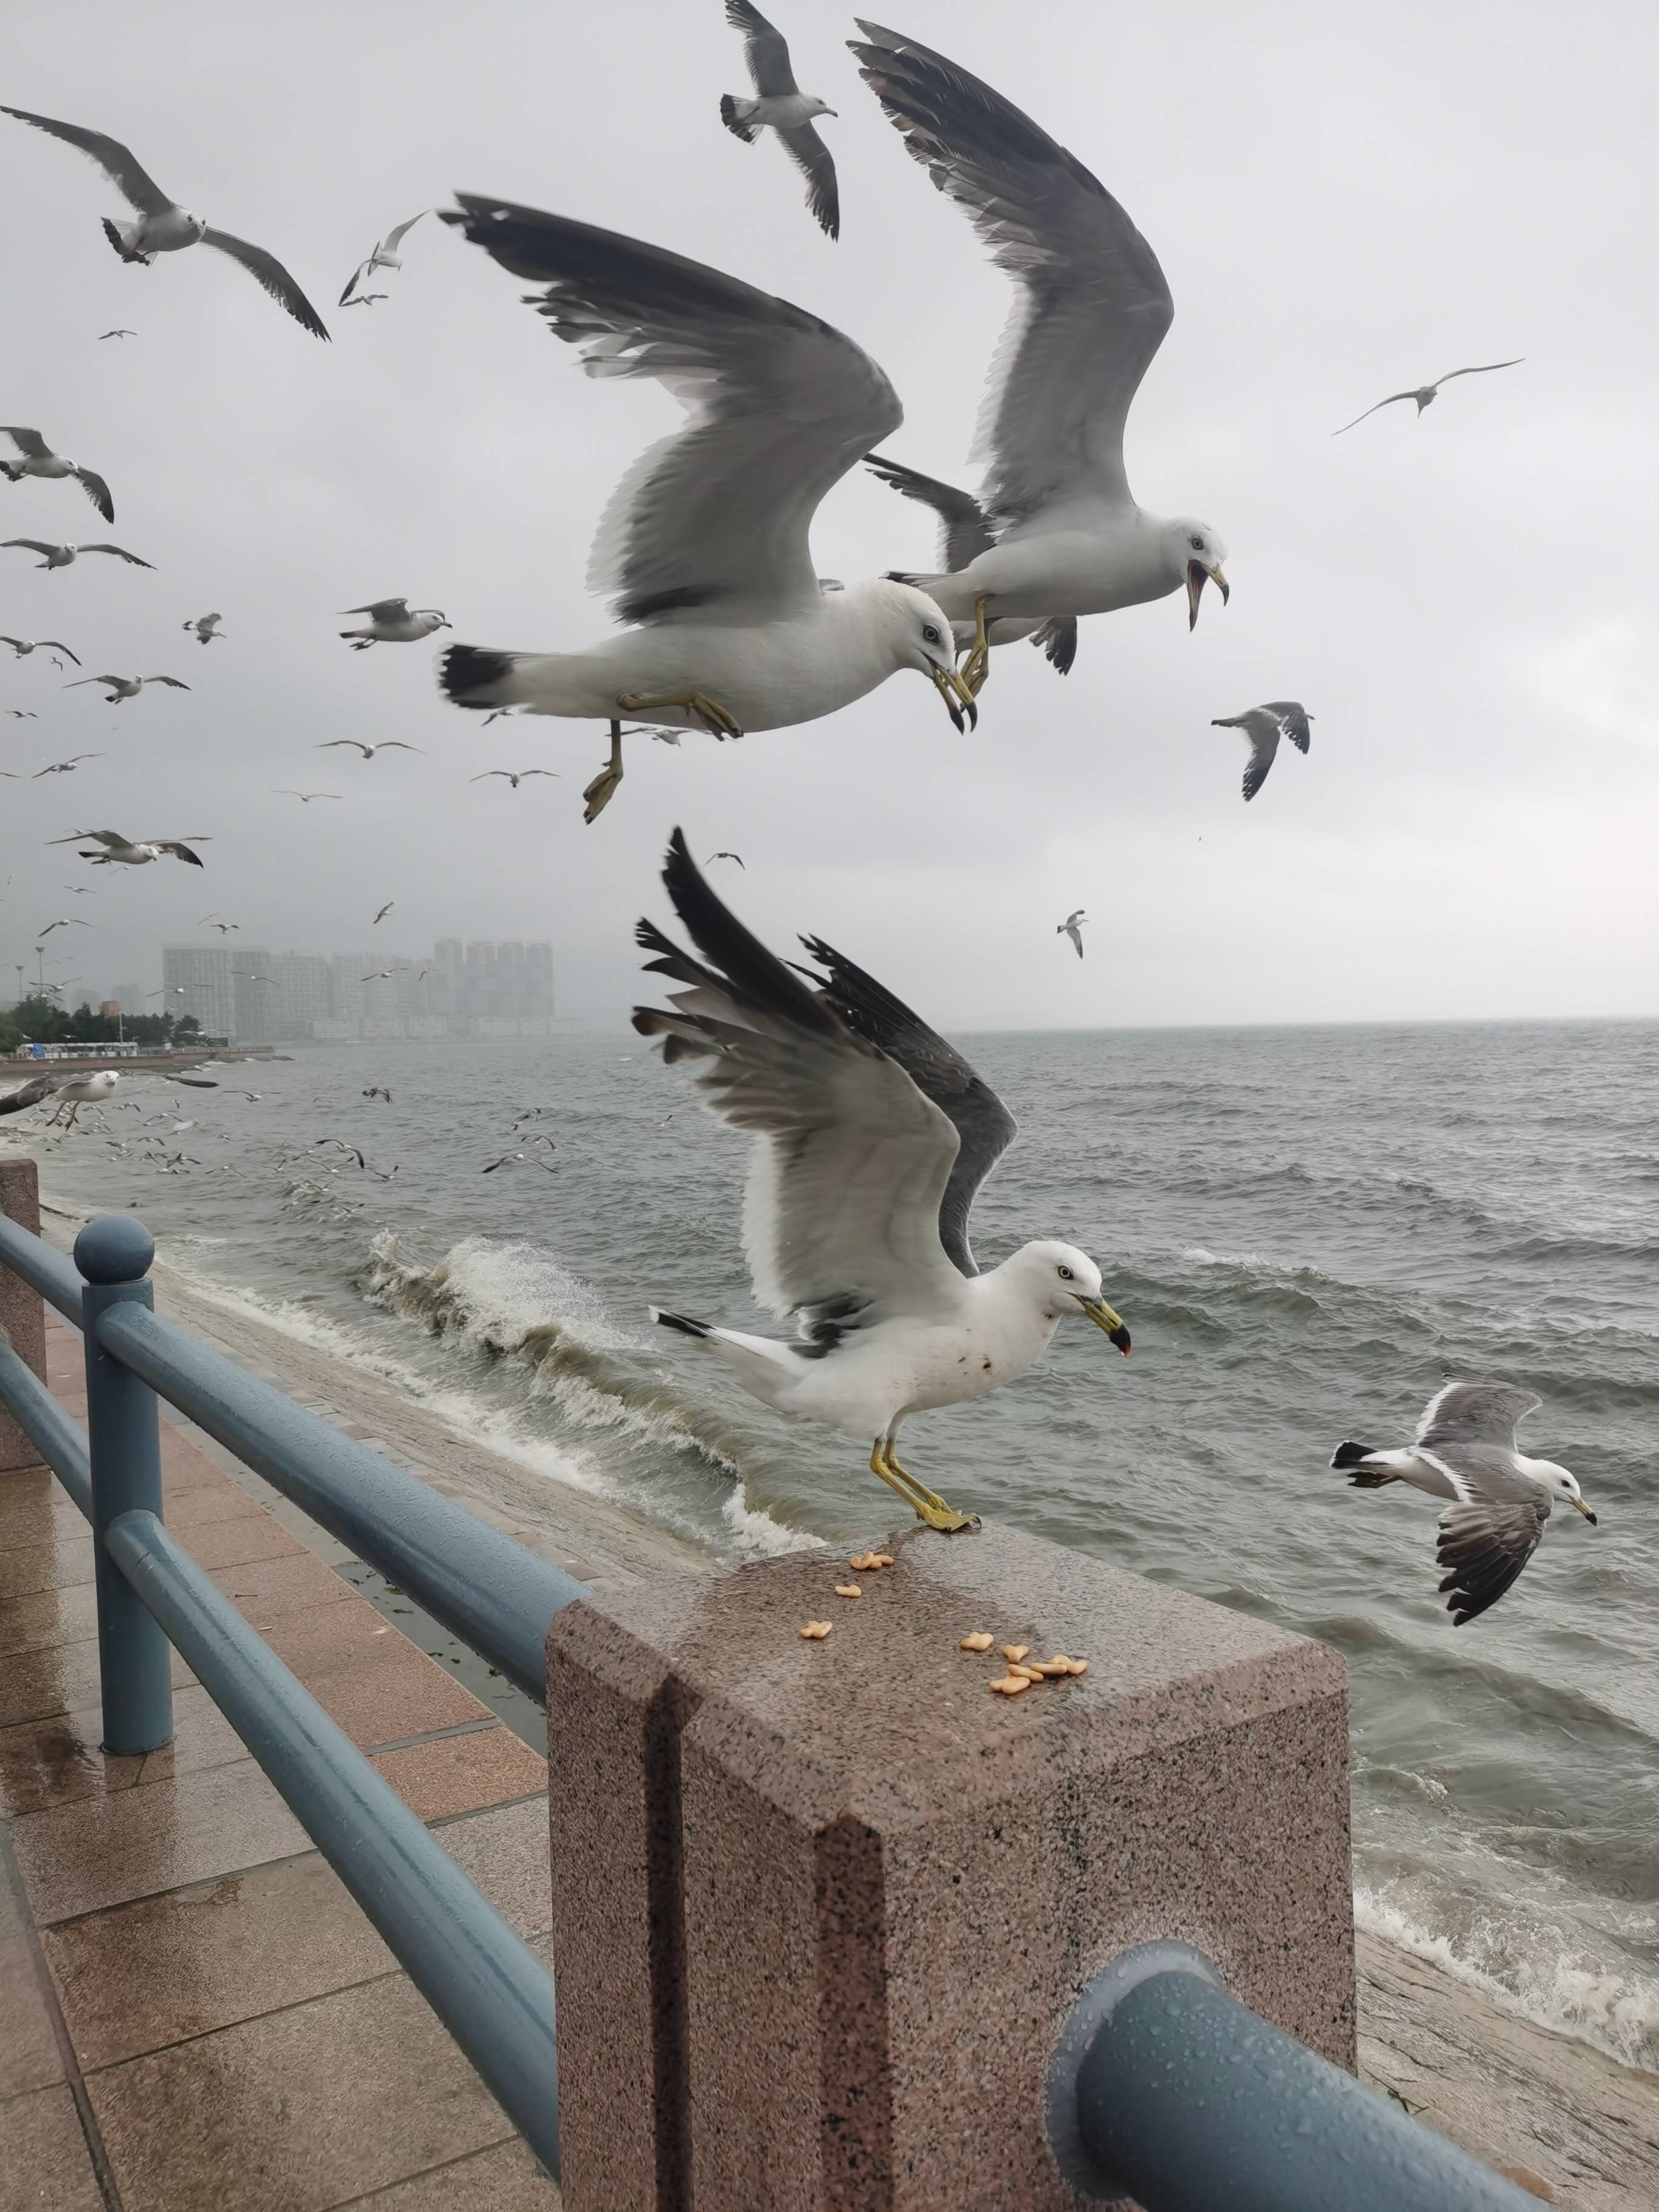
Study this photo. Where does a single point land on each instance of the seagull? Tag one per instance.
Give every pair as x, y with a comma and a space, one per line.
163, 227
382, 915
872, 1138
385, 256
125, 687
1424, 394
102, 335
706, 540
224, 928
367, 300
781, 106
69, 1092
392, 622
515, 776
22, 713
59, 557
305, 797
1092, 310
385, 746
22, 647
64, 921
205, 627
40, 460
966, 530
1264, 726
1465, 1449
64, 768
130, 854
378, 1090
509, 1159
712, 857
1072, 927
377, 975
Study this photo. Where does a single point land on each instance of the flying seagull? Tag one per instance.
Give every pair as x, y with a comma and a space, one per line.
737, 857
1424, 394
125, 687
205, 627
1465, 1449
102, 335
385, 256
224, 928
69, 1092
1072, 927
305, 797
872, 1138
367, 299
59, 557
780, 105
40, 460
385, 746
1264, 726
64, 766
390, 622
382, 915
64, 921
128, 852
706, 542
378, 1090
163, 227
509, 1159
22, 647
1091, 312
515, 776
22, 713
966, 530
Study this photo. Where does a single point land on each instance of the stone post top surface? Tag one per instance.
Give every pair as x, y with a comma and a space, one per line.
877, 1717
114, 1249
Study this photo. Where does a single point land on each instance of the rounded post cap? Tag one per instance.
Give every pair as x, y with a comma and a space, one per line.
114, 1249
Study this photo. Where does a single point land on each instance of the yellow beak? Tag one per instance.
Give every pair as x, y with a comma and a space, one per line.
951, 688
1196, 573
1104, 1319
1585, 1510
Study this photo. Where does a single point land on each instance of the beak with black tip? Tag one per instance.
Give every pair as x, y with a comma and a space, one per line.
1585, 1510
1196, 575
951, 688
1110, 1324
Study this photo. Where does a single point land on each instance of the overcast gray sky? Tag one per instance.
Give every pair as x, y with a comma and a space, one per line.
1344, 202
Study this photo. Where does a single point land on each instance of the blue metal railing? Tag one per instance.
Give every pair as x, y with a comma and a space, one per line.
486, 1984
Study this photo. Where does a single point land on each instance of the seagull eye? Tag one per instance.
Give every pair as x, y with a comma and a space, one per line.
1066, 1275
930, 634
1197, 544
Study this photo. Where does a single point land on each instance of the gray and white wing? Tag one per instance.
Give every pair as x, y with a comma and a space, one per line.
172, 680
984, 1126
1475, 1413
37, 544
781, 407
1093, 304
964, 529
267, 270
1264, 751
115, 159
179, 850
120, 551
27, 441
817, 164
841, 1212
1481, 368
395, 237
57, 644
381, 611
765, 49
1294, 719
29, 1094
97, 491
1482, 1548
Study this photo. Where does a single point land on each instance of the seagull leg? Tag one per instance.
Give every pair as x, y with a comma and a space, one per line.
598, 792
709, 711
976, 668
925, 1504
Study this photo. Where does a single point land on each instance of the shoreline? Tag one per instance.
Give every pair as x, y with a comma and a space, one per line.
1565, 2120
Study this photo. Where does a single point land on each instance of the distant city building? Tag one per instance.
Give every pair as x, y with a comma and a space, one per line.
199, 981
480, 989
256, 994
299, 993
491, 990
345, 995
130, 998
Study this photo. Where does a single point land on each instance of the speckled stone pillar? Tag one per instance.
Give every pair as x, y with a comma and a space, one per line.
22, 1315
820, 1908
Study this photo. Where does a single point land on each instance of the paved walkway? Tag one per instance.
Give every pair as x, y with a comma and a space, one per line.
193, 2013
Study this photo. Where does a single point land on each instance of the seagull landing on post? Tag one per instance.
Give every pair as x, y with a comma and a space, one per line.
872, 1138
780, 105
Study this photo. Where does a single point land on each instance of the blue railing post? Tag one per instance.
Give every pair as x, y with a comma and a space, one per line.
113, 1253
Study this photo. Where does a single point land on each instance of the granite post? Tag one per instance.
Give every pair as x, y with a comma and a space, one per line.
22, 1310
821, 1908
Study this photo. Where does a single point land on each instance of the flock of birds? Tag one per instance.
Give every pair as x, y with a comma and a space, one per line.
872, 1136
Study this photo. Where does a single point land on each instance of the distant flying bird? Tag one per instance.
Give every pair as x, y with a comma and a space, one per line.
130, 852
712, 857
64, 768
59, 557
64, 921
377, 975
163, 227
1465, 1451
1072, 927
1264, 726
305, 797
385, 256
125, 687
248, 975
22, 713
40, 460
515, 776
1424, 394
205, 627
378, 1090
22, 647
385, 746
382, 915
367, 299
224, 928
781, 106
390, 622
510, 1159
102, 335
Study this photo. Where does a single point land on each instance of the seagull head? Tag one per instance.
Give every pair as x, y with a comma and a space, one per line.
921, 637
1196, 554
1561, 1484
1063, 1280
815, 107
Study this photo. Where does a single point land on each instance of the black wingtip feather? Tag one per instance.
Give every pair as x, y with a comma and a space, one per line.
740, 956
467, 672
